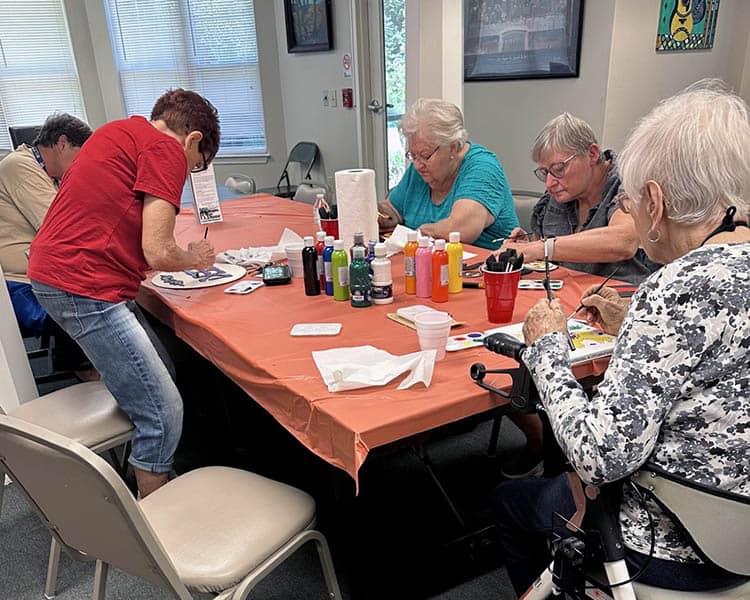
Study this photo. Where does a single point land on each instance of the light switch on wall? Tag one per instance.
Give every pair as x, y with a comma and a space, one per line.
332, 98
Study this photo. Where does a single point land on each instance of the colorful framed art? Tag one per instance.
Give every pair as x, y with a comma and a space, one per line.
686, 25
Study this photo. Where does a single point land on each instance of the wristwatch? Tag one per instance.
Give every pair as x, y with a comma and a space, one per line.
549, 247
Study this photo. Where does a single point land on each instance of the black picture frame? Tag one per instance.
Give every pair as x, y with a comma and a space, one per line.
522, 39
308, 25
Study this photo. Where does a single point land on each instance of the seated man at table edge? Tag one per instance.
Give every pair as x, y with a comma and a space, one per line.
674, 393
29, 179
113, 220
451, 184
577, 215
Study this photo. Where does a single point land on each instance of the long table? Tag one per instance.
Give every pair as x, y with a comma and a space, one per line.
247, 337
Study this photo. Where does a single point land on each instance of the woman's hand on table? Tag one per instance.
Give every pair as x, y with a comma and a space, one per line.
202, 253
604, 308
543, 318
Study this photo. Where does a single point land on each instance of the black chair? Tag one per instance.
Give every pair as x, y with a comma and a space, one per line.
305, 154
23, 135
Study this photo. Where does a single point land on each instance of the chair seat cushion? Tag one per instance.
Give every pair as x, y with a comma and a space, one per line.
647, 592
217, 524
85, 412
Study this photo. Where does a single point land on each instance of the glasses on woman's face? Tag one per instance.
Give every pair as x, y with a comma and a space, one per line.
623, 202
557, 170
202, 167
420, 158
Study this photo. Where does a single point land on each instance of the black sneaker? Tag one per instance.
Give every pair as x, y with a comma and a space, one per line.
521, 465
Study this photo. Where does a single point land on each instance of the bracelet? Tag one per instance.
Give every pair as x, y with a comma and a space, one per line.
549, 247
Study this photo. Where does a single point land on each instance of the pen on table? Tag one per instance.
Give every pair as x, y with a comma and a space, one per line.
473, 284
205, 233
516, 238
596, 291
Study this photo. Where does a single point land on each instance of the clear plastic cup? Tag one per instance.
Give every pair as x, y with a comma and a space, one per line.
433, 329
294, 259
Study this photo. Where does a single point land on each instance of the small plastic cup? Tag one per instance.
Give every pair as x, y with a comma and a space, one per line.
331, 227
500, 291
433, 329
294, 259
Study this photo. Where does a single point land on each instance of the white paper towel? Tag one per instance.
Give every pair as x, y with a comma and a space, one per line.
357, 204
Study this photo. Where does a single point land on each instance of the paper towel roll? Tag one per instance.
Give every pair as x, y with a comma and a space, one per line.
357, 202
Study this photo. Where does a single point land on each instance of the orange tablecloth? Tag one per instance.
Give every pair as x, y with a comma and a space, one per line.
247, 337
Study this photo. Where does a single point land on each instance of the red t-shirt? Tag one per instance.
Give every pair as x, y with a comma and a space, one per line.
90, 241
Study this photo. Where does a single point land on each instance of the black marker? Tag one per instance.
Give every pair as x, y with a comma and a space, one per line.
205, 233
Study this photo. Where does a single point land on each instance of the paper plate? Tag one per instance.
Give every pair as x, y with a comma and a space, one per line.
191, 279
538, 265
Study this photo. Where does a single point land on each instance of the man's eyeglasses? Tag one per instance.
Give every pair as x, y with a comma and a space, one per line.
623, 202
200, 168
423, 159
557, 170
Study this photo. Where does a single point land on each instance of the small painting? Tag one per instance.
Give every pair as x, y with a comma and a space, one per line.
687, 25
308, 25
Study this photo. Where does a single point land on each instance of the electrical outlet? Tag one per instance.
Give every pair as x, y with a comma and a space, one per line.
324, 98
332, 98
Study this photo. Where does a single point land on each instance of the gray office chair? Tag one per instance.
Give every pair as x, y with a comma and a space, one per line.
213, 530
304, 154
85, 412
23, 135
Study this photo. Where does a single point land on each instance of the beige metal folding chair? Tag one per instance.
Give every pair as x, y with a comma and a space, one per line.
213, 530
85, 412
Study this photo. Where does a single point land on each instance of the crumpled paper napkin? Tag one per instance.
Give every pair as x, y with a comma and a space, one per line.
397, 241
364, 366
260, 255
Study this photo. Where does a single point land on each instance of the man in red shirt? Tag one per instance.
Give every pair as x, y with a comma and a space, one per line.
113, 220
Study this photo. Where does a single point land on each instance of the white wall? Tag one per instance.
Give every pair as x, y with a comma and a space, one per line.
303, 77
505, 116
639, 76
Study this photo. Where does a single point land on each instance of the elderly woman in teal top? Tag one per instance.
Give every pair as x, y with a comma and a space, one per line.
452, 184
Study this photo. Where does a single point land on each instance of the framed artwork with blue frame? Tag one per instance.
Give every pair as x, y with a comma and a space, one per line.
308, 25
687, 25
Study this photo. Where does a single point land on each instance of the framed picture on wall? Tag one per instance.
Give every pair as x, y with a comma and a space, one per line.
522, 39
687, 25
308, 25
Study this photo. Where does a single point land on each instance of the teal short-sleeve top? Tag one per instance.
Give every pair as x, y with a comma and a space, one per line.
480, 178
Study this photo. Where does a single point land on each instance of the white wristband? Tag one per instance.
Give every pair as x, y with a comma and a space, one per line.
549, 247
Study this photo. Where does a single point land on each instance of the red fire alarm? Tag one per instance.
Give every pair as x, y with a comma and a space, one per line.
347, 99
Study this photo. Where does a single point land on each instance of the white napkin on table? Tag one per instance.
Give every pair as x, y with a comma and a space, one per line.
397, 241
260, 254
363, 366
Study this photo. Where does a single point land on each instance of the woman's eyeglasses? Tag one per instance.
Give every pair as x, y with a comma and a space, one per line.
557, 170
202, 167
422, 159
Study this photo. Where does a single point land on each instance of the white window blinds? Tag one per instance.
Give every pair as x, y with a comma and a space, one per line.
205, 45
37, 72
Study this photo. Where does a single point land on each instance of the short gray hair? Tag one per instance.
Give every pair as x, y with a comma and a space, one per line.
436, 120
563, 133
696, 146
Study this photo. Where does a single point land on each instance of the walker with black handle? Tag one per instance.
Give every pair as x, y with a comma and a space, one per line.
594, 532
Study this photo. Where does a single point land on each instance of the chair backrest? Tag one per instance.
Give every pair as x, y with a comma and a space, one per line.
304, 154
24, 135
524, 202
14, 364
717, 522
84, 503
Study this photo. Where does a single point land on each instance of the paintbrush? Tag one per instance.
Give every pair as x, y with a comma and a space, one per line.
596, 291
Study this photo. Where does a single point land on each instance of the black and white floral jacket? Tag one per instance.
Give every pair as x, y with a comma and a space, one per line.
676, 392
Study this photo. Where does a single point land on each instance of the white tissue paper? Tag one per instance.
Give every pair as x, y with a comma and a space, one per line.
357, 202
397, 241
260, 255
363, 366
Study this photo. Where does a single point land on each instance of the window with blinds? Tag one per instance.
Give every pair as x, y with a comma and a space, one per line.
205, 45
38, 74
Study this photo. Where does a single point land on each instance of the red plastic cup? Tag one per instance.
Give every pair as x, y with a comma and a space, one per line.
500, 291
331, 227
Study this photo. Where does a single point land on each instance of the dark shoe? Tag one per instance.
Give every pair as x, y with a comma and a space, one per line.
522, 464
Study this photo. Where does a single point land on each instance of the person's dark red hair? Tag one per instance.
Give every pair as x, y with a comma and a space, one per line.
184, 111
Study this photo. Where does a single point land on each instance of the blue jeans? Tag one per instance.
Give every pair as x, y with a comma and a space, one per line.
121, 350
524, 511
